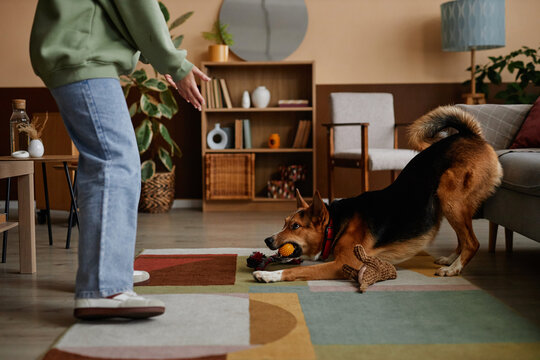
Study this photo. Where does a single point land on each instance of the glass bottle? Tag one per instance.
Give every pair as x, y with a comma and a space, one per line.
18, 140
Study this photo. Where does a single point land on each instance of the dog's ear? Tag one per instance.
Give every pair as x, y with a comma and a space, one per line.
318, 207
300, 202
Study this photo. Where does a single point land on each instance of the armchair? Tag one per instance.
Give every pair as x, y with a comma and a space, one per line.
378, 151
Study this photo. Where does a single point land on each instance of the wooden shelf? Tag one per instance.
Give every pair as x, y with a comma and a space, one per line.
268, 109
285, 80
8, 225
259, 150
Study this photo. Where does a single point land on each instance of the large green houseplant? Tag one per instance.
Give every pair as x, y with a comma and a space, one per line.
523, 62
155, 102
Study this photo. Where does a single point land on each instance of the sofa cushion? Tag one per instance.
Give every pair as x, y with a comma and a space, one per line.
529, 134
521, 170
500, 123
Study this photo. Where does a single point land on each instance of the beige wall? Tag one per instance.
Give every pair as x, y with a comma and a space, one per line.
352, 41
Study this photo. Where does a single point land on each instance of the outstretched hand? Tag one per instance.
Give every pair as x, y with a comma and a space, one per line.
187, 87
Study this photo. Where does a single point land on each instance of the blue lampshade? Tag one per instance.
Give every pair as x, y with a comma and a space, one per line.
472, 24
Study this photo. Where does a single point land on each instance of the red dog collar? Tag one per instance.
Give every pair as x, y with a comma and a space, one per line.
328, 242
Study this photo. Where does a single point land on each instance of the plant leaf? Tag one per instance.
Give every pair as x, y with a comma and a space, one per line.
133, 109
126, 89
144, 135
175, 149
139, 76
165, 111
149, 106
164, 11
148, 170
125, 79
168, 99
155, 84
180, 20
177, 41
165, 158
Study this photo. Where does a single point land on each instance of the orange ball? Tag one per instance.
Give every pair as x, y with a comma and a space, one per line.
286, 250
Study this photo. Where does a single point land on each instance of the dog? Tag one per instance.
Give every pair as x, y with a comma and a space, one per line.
454, 172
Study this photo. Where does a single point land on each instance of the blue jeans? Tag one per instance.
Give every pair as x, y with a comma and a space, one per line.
108, 183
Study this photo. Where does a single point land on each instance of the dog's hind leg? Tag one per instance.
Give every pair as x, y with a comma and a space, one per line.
448, 260
458, 210
470, 245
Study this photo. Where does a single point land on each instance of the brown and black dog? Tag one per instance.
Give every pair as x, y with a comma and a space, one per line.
450, 177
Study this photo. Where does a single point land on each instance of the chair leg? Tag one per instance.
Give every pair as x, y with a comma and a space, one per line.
365, 179
330, 182
5, 236
509, 239
393, 176
492, 236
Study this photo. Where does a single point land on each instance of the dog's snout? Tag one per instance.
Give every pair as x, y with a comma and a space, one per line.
269, 241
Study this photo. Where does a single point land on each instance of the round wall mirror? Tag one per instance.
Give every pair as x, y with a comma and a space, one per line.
265, 30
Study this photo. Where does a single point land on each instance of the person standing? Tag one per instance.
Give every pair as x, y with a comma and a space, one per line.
79, 49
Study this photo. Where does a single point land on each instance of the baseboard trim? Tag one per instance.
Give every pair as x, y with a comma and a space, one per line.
177, 204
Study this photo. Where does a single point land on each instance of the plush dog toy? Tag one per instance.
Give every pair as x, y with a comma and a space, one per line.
373, 270
259, 261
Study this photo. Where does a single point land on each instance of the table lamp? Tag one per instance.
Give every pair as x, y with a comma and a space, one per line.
470, 25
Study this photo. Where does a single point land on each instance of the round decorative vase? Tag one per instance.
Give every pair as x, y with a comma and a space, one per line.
246, 102
35, 148
260, 97
219, 53
157, 193
273, 141
217, 138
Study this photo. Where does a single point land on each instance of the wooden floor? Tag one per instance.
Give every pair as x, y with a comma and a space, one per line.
36, 309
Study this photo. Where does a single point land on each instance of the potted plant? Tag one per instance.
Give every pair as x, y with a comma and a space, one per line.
155, 102
524, 89
222, 38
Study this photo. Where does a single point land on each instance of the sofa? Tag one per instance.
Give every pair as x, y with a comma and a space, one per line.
516, 203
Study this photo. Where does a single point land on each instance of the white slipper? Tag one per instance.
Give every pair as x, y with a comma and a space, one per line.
140, 276
127, 305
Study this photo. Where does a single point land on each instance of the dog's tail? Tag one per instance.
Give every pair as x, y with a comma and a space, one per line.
429, 128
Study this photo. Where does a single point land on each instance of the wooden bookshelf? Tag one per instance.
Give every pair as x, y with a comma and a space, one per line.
285, 81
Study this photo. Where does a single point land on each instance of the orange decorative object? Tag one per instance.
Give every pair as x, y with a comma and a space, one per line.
273, 141
286, 250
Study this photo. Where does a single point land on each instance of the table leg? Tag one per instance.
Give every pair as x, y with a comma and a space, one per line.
4, 242
71, 215
72, 193
27, 226
48, 210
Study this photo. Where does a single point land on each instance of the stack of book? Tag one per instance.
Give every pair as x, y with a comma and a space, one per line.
303, 132
217, 95
242, 134
293, 103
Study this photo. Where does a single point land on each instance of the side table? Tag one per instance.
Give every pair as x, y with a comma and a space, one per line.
24, 172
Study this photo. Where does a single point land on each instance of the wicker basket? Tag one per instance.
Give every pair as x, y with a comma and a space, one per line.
230, 176
157, 194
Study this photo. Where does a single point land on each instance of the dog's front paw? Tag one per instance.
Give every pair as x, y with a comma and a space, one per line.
448, 271
267, 276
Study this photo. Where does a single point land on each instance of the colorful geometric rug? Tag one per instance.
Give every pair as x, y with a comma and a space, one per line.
216, 311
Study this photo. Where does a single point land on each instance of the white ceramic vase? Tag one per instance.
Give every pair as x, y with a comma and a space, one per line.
260, 97
246, 102
35, 148
218, 134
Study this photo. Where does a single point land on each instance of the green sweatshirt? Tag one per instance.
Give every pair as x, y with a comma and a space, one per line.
74, 40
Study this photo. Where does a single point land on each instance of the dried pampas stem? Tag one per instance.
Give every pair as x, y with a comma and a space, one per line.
35, 128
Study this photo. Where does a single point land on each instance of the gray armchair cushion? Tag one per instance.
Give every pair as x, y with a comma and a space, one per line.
377, 109
381, 159
500, 124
